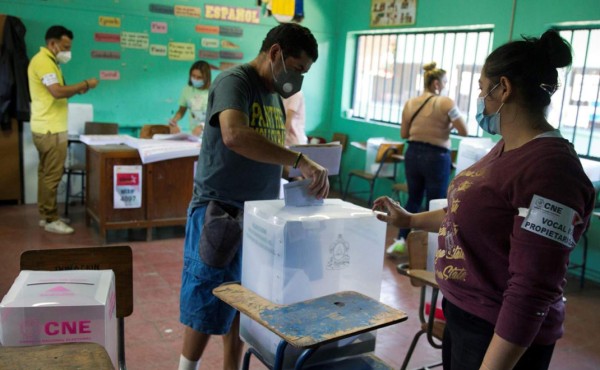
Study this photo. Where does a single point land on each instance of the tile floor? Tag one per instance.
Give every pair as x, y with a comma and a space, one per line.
153, 334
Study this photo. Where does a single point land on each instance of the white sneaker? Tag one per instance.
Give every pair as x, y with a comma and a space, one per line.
397, 248
58, 227
67, 221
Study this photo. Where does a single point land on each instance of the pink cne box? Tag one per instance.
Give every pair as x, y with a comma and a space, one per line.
45, 307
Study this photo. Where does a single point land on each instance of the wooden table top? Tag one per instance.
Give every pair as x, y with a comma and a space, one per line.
67, 356
313, 322
425, 276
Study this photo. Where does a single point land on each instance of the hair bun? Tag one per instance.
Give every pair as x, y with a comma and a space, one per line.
429, 66
556, 49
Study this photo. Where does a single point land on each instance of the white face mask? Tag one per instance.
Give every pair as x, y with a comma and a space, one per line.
63, 57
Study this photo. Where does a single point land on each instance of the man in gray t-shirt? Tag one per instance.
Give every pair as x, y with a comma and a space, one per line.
241, 159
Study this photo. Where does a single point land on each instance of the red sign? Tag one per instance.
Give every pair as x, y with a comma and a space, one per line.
107, 37
128, 179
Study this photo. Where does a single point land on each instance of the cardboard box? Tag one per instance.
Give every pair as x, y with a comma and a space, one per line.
292, 254
45, 307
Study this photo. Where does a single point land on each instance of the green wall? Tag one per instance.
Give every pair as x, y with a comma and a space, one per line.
532, 17
149, 86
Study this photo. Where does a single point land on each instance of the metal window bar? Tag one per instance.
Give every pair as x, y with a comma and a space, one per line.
577, 80
583, 70
381, 86
393, 79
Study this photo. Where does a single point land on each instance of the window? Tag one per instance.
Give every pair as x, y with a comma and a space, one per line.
389, 70
575, 108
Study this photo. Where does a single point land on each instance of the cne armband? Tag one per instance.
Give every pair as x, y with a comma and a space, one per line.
297, 161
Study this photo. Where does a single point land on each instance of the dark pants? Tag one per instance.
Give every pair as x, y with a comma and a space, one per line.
427, 169
467, 337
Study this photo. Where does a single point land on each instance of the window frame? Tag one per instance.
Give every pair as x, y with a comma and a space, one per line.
407, 72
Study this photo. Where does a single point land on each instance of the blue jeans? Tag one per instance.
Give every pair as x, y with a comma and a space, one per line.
199, 308
427, 169
466, 339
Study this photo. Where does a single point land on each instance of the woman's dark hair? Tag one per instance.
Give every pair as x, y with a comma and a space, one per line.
531, 66
204, 68
293, 39
57, 32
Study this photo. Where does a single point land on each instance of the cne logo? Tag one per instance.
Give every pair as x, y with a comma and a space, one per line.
57, 291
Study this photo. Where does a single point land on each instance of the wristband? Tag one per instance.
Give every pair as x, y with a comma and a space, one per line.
297, 161
87, 84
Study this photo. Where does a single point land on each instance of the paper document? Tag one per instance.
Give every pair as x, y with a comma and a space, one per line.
296, 194
179, 136
327, 155
104, 139
151, 150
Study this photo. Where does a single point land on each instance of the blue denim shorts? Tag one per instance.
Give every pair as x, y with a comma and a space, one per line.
199, 308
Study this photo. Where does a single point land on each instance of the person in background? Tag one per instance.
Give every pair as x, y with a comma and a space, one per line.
240, 160
426, 123
194, 97
49, 94
512, 219
295, 120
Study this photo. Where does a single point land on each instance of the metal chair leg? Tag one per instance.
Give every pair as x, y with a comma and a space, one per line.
121, 345
67, 192
411, 349
304, 357
347, 187
278, 362
584, 260
371, 190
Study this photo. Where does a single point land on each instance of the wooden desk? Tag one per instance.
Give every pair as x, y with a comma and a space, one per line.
166, 190
312, 323
68, 356
424, 276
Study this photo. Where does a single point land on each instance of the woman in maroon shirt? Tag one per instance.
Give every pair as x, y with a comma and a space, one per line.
512, 219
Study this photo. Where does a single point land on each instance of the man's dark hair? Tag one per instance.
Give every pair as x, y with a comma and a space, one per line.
293, 39
57, 32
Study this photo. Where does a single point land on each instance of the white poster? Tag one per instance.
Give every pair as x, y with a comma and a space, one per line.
127, 186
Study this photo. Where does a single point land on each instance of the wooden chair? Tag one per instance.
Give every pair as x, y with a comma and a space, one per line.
343, 140
78, 167
415, 269
148, 131
310, 324
116, 258
387, 154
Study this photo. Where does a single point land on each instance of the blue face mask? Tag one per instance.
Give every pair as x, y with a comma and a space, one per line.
198, 84
488, 123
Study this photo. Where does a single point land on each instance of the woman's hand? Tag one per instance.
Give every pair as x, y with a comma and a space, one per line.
173, 127
393, 214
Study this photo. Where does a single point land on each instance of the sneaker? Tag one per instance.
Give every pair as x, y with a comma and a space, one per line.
397, 248
67, 221
58, 227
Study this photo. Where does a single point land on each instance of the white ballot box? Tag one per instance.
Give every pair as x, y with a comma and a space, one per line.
371, 165
470, 150
292, 254
591, 169
48, 307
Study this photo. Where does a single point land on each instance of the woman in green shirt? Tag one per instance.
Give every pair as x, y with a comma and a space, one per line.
194, 97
